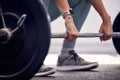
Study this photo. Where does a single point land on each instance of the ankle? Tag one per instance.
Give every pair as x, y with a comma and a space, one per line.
65, 51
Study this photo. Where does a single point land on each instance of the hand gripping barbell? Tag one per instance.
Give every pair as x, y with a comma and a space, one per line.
25, 38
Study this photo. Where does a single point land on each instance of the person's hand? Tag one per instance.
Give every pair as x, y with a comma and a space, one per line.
106, 29
72, 32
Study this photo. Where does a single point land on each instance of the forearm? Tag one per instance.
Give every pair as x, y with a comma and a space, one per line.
71, 29
98, 5
62, 5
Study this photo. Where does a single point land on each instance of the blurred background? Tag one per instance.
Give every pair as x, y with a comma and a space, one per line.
93, 20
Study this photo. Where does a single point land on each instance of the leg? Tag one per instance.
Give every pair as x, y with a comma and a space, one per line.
68, 59
54, 13
52, 9
80, 9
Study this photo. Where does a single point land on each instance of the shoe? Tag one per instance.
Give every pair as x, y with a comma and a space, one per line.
45, 71
74, 63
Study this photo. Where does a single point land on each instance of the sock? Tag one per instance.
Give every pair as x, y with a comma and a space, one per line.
65, 52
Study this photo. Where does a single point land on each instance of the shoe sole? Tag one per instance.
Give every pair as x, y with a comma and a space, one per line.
76, 68
45, 73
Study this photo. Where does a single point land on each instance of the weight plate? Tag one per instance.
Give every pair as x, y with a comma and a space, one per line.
116, 28
24, 54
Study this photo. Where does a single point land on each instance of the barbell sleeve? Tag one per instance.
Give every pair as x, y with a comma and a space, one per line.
3, 35
85, 35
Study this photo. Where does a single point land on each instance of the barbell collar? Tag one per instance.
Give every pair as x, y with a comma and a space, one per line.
84, 35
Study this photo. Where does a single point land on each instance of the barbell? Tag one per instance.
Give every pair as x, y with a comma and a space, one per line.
25, 38
85, 35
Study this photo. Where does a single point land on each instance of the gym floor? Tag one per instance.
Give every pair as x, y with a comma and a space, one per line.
91, 49
104, 72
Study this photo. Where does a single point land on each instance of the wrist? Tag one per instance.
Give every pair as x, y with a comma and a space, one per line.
67, 12
68, 21
106, 19
68, 18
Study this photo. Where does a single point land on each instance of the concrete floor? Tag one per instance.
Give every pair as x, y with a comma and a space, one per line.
91, 50
104, 72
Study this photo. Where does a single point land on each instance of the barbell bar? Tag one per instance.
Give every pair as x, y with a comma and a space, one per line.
5, 35
85, 35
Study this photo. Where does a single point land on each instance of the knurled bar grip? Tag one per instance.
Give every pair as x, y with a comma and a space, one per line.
85, 35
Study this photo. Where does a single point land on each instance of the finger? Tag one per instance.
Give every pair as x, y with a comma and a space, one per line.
72, 36
69, 38
106, 37
102, 38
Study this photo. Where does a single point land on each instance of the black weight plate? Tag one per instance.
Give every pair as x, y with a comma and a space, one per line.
24, 54
116, 28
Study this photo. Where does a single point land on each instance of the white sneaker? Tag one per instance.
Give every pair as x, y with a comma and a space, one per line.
74, 63
45, 71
